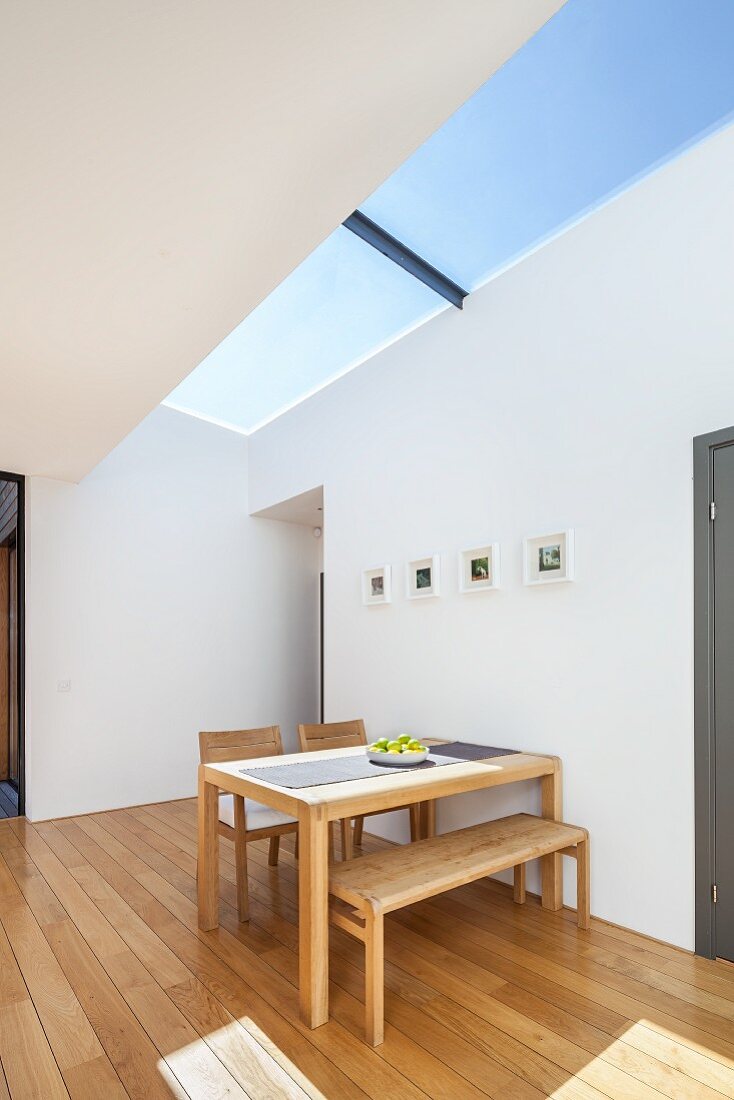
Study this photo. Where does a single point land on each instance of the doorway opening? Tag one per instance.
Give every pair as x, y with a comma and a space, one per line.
307, 510
12, 648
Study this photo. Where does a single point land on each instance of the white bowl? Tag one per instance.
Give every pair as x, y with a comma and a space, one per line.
398, 760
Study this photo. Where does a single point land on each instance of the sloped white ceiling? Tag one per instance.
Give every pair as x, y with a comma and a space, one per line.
166, 164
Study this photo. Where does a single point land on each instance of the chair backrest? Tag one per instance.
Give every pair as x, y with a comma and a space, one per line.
332, 735
221, 747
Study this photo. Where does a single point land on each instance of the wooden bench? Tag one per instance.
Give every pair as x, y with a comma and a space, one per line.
388, 880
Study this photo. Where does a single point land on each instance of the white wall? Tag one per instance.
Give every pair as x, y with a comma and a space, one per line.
169, 609
566, 394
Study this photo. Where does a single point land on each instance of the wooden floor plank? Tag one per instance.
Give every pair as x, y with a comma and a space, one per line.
94, 1080
4, 1091
12, 985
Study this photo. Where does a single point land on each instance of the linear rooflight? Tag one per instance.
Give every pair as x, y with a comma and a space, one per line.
404, 257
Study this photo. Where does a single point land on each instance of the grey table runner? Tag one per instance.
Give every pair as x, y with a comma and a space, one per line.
312, 773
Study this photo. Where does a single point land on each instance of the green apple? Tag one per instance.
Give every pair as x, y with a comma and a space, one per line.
404, 738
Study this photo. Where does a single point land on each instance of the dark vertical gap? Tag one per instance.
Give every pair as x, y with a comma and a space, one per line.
20, 566
19, 480
321, 647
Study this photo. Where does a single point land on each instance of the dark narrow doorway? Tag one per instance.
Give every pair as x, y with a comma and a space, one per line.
12, 777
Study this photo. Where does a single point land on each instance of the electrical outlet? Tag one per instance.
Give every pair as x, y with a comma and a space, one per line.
63, 685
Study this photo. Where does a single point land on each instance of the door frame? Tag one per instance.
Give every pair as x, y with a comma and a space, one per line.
704, 448
19, 479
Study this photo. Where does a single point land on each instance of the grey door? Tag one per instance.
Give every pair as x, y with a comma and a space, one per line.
723, 536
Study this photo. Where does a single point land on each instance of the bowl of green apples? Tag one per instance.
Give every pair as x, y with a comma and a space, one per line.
399, 751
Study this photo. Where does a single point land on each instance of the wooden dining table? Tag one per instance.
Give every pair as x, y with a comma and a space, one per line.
316, 807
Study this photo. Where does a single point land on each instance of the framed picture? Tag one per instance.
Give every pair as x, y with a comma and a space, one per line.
548, 558
377, 585
479, 569
424, 578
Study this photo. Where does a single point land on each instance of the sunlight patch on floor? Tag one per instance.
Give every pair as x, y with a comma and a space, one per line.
250, 1056
701, 1061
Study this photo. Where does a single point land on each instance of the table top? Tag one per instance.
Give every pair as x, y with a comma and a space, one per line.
384, 791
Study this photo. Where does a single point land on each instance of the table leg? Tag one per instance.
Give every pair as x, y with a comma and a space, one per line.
428, 818
313, 915
552, 809
208, 865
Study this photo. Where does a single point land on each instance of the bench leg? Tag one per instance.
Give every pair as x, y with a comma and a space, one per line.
240, 859
374, 974
519, 887
273, 851
346, 828
358, 827
583, 882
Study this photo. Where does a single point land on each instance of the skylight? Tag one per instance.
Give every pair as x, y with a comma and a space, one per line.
603, 94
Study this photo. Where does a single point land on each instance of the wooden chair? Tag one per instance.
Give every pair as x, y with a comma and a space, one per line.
366, 889
346, 735
242, 819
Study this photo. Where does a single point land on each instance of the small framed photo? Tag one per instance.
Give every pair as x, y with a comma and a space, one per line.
549, 558
479, 569
377, 585
424, 578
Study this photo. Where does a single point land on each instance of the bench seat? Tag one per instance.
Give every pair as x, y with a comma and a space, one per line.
378, 884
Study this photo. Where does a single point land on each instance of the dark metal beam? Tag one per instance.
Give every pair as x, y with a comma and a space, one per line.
389, 246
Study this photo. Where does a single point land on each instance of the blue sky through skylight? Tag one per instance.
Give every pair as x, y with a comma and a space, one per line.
605, 92
338, 306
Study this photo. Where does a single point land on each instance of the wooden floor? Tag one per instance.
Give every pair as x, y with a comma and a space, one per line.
107, 988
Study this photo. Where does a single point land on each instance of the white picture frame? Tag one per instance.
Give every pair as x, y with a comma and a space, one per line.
549, 559
479, 568
423, 577
377, 585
